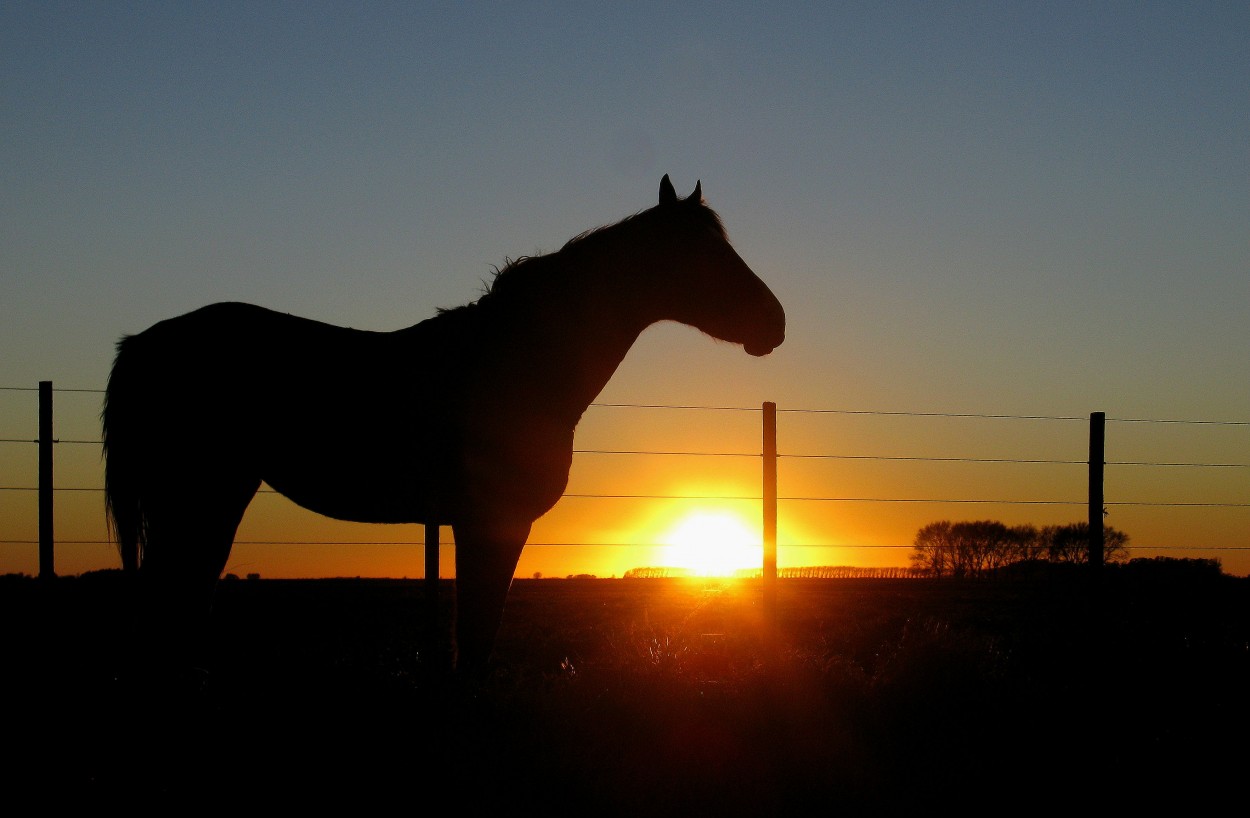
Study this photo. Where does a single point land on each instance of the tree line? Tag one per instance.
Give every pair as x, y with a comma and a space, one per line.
978, 547
795, 572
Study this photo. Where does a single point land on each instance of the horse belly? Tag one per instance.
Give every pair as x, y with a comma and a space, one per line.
364, 483
354, 500
349, 454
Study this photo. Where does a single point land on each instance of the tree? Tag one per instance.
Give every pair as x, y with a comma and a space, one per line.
978, 547
1070, 543
932, 547
971, 548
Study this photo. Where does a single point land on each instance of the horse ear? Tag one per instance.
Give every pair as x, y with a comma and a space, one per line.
697, 196
667, 194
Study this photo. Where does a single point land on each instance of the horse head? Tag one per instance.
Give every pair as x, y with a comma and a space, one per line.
707, 285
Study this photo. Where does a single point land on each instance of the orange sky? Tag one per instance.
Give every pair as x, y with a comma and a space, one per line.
1015, 209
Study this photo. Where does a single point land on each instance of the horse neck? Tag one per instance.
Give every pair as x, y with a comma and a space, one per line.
588, 330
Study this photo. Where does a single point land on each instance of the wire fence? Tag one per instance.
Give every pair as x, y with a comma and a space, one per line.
879, 470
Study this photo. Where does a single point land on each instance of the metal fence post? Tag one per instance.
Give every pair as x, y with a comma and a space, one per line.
433, 632
770, 510
1097, 458
46, 570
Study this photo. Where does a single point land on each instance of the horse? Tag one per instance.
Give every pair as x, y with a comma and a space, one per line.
476, 408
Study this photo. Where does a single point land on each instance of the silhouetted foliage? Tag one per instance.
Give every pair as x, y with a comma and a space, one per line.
967, 549
656, 573
978, 548
1070, 543
851, 572
1173, 568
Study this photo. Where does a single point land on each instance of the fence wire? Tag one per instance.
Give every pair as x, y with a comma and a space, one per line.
781, 455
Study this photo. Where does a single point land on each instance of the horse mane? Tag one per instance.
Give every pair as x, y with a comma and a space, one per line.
523, 270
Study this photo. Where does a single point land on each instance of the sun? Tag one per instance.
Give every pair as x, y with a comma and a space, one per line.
712, 544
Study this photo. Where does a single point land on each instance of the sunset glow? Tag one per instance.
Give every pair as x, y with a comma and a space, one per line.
971, 182
712, 544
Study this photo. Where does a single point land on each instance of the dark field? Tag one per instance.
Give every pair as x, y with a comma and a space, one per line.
652, 697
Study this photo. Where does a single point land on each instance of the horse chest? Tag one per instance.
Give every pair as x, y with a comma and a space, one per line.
521, 466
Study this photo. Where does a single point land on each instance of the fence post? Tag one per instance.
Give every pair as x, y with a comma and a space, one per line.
433, 633
770, 511
1097, 458
46, 570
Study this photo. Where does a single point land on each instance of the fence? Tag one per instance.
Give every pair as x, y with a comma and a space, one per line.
1225, 539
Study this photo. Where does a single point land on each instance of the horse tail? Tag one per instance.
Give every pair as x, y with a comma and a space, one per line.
122, 435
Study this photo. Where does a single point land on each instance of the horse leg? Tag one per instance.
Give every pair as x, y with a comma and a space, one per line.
175, 595
189, 538
189, 535
486, 557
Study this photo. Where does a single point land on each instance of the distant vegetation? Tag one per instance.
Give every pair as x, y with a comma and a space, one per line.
797, 572
984, 548
976, 548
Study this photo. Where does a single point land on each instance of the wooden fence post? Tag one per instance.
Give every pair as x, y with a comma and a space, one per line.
433, 632
770, 511
1097, 458
46, 570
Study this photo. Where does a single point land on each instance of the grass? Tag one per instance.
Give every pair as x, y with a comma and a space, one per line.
656, 697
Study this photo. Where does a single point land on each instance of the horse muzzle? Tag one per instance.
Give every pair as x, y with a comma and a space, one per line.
759, 350
769, 340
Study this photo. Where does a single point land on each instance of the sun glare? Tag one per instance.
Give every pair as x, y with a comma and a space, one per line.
712, 544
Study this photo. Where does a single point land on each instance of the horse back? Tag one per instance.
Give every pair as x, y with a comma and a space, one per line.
341, 420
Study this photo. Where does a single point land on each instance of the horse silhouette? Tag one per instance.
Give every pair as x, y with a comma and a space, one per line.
465, 419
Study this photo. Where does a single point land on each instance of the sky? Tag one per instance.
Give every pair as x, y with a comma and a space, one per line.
985, 222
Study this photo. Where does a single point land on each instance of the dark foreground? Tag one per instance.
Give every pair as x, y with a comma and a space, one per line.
650, 697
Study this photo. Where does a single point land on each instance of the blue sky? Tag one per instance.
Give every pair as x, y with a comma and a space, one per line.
999, 208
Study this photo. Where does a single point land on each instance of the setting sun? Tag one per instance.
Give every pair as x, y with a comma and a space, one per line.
712, 544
